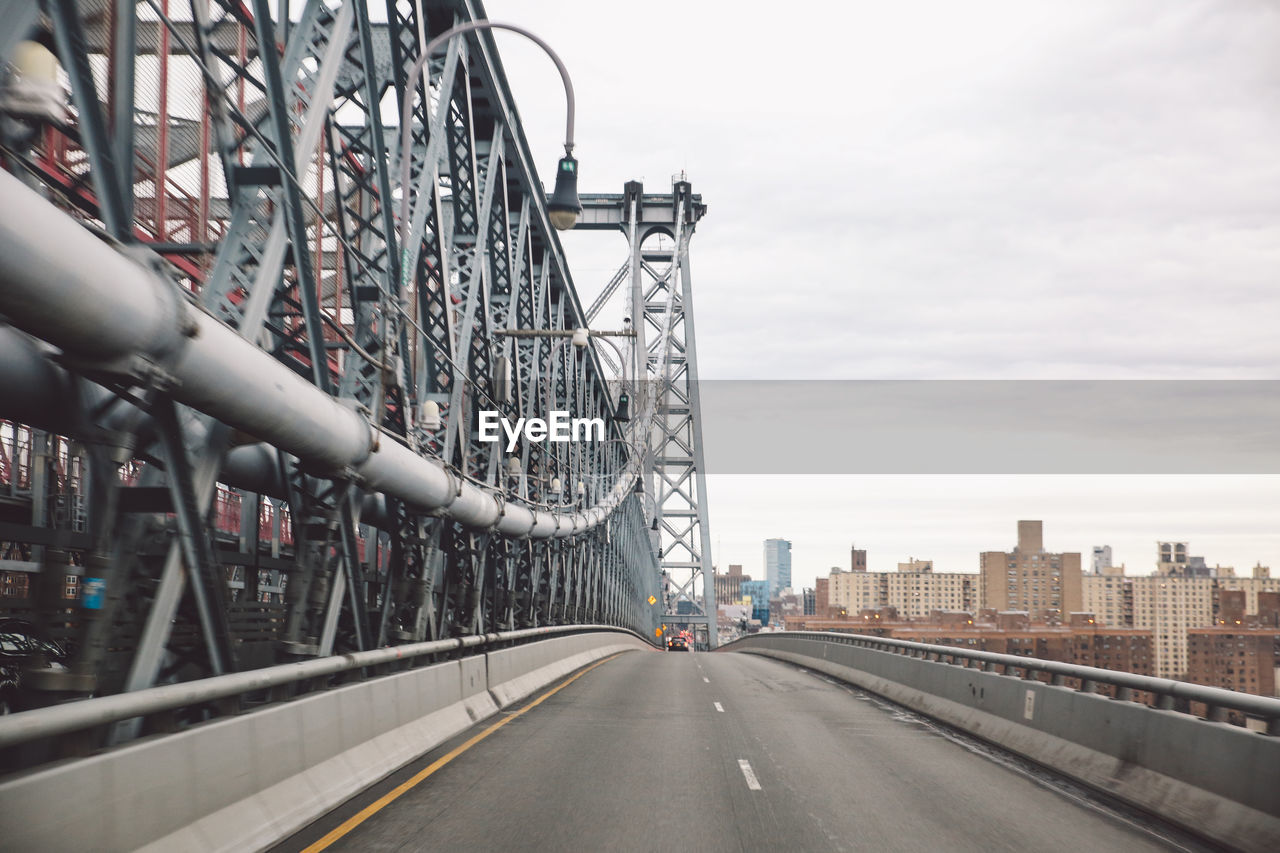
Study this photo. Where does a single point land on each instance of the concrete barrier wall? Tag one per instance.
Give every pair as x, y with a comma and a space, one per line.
516, 672
245, 782
1215, 779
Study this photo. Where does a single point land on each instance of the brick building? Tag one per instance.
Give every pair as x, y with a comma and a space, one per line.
1082, 640
1235, 658
1242, 649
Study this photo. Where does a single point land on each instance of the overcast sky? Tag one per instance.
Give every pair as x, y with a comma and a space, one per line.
942, 190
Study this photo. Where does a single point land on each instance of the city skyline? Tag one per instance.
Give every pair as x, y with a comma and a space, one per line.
959, 532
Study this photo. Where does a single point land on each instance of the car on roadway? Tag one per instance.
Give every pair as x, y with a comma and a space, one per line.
20, 649
677, 644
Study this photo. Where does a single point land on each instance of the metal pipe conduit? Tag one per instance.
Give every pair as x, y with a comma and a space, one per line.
37, 392
73, 716
62, 284
1257, 706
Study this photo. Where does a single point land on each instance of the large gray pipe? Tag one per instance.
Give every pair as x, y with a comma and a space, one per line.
65, 286
38, 393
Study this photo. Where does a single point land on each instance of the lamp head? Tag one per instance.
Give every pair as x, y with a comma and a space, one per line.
429, 416
563, 207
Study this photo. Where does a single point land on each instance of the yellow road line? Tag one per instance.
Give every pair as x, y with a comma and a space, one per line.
404, 787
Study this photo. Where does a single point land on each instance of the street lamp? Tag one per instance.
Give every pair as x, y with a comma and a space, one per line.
563, 207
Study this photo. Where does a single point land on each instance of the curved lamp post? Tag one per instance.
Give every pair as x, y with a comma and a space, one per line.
563, 207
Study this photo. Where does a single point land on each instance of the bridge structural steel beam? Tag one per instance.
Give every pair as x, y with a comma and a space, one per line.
234, 432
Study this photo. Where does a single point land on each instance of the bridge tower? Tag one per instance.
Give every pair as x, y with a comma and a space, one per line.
658, 228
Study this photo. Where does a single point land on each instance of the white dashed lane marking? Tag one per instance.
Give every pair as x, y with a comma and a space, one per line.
752, 782
719, 707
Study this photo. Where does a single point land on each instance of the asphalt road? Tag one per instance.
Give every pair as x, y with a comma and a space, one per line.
637, 754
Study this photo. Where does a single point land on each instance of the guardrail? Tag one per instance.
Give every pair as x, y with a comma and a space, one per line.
246, 781
1166, 692
228, 693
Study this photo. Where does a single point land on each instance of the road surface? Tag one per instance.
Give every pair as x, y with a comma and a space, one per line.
720, 752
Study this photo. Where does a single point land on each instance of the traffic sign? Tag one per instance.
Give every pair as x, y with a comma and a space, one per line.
653, 599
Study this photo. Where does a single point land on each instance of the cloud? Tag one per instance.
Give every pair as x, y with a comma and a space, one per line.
1083, 190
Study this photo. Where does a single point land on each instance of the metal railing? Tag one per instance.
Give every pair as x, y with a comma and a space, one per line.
1167, 694
228, 693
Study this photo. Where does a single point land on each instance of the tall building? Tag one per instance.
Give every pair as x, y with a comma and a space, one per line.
756, 593
728, 587
914, 594
857, 558
851, 592
822, 595
1169, 606
1109, 597
1030, 578
777, 565
1101, 558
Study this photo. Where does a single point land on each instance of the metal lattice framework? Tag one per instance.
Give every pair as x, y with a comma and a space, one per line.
237, 431
658, 230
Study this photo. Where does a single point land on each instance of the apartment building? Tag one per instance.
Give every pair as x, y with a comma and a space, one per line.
1235, 658
728, 587
1169, 606
914, 594
1029, 577
1109, 597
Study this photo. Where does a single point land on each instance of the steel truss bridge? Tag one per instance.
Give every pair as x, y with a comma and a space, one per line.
262, 582
240, 411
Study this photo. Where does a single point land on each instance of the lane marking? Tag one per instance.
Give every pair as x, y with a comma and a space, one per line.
719, 707
752, 782
708, 680
404, 787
